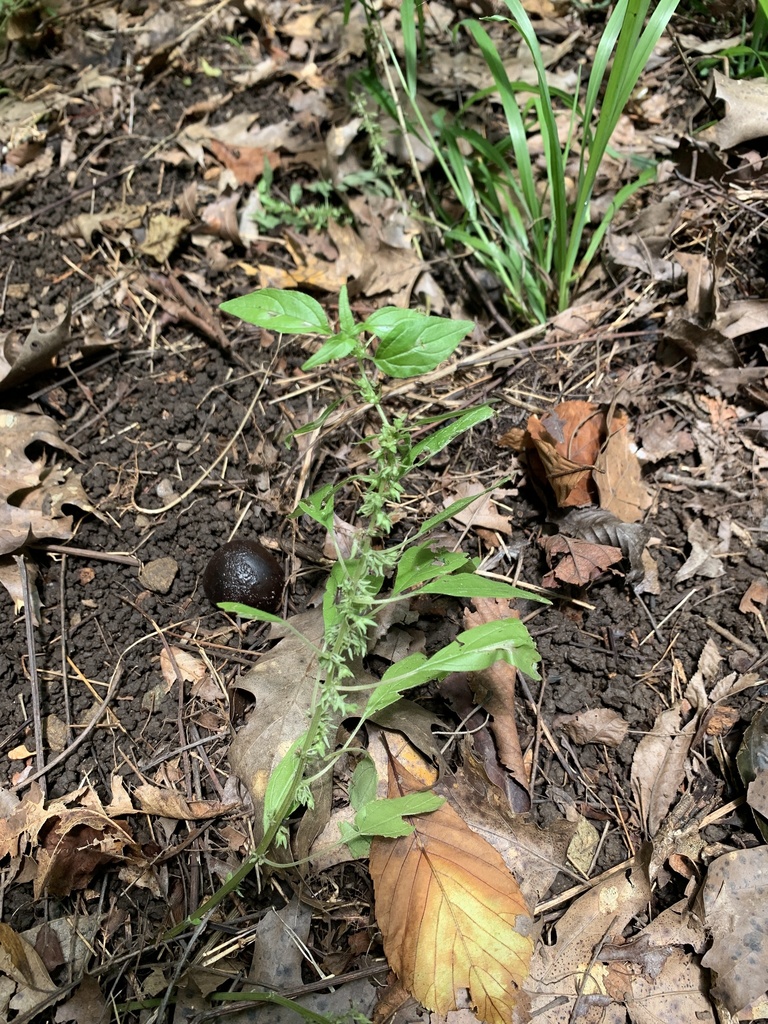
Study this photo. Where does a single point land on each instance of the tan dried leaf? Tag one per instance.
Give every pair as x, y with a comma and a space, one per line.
163, 235
617, 474
746, 111
598, 725
755, 594
735, 898
570, 970
583, 561
167, 803
658, 767
494, 690
481, 513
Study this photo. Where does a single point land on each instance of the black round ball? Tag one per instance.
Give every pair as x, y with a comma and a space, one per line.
245, 572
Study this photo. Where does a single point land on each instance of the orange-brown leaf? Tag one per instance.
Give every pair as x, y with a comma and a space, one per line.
567, 440
452, 916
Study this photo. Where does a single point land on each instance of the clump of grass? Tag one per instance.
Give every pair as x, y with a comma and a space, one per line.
534, 239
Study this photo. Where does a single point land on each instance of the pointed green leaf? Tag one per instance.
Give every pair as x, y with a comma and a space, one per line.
277, 310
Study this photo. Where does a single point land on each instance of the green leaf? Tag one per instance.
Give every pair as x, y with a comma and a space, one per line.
319, 505
362, 785
469, 584
441, 438
386, 817
346, 319
336, 348
359, 846
307, 428
472, 651
281, 786
418, 346
420, 563
278, 310
453, 510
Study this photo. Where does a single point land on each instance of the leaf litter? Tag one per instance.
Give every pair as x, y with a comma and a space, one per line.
594, 491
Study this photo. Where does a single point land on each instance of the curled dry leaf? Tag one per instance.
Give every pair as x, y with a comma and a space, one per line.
167, 803
481, 513
755, 594
659, 764
702, 561
604, 528
22, 965
36, 353
451, 914
494, 690
48, 493
617, 473
563, 447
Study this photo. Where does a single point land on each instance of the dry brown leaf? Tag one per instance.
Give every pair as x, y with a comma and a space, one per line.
481, 513
245, 162
746, 111
79, 841
567, 442
167, 803
735, 898
598, 725
87, 1005
583, 561
191, 669
755, 594
570, 969
658, 767
21, 963
663, 436
617, 474
163, 235
702, 560
494, 690
451, 914
38, 351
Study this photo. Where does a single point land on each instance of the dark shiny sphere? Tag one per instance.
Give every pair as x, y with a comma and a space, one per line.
245, 572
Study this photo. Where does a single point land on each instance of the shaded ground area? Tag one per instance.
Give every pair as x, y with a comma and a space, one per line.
128, 206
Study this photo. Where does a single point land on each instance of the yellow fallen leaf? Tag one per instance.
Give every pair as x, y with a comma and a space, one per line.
451, 914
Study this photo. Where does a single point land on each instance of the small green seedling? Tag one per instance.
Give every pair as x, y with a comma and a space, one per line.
400, 344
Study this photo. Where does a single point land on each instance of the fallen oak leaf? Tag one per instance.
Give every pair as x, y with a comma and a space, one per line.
582, 561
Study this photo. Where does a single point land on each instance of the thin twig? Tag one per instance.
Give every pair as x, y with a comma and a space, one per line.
34, 679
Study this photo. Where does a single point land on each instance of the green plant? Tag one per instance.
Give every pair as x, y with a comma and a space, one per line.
530, 234
22, 10
747, 59
398, 343
298, 211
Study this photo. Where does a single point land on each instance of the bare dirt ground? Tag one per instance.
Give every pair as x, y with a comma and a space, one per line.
121, 207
